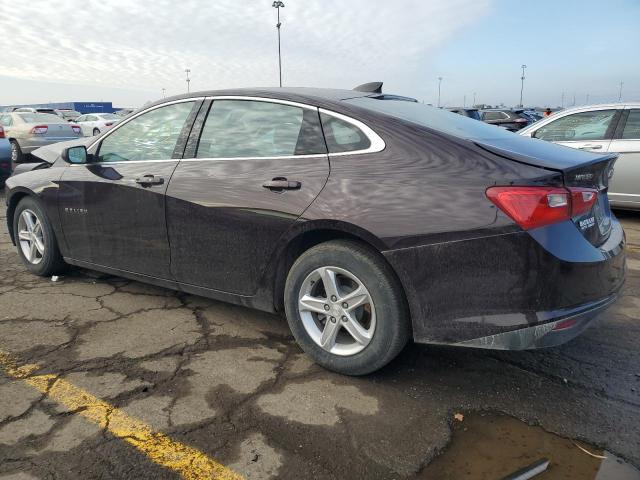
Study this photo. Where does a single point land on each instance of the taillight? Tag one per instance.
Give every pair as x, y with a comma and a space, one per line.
76, 129
521, 120
1, 132
39, 130
108, 124
582, 200
533, 207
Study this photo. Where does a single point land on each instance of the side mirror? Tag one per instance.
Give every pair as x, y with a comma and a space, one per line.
75, 155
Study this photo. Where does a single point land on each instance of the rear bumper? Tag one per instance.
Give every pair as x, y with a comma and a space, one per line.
488, 290
28, 145
568, 325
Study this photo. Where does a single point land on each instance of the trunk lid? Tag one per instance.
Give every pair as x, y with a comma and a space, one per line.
595, 225
579, 169
62, 131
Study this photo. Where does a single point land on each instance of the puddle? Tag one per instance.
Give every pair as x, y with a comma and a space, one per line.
493, 446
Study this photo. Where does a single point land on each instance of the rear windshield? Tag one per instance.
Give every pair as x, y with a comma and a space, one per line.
109, 116
435, 118
40, 118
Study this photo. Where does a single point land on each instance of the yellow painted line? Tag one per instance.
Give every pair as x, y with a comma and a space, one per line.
190, 463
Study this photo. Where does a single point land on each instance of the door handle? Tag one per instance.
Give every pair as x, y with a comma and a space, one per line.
591, 147
281, 183
148, 180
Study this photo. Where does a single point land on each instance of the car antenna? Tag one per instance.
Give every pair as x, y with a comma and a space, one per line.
371, 87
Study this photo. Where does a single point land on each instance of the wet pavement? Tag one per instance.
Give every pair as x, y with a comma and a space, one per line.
224, 387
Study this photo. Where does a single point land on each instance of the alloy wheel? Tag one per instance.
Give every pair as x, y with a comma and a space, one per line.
14, 152
337, 311
31, 237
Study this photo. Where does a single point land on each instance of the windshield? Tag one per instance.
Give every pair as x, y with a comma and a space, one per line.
435, 118
40, 118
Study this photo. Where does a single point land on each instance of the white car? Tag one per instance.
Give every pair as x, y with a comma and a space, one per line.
601, 128
96, 123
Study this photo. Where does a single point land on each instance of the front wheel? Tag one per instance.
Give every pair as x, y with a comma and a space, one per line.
36, 241
346, 308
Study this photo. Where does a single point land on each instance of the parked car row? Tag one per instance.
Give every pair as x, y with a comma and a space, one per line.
28, 129
611, 128
65, 113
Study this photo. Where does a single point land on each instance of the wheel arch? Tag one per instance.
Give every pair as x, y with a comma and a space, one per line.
12, 203
306, 235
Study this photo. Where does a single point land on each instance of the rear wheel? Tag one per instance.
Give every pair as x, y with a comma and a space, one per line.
345, 307
16, 152
96, 132
36, 241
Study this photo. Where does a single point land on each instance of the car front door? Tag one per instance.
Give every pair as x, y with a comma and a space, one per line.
591, 130
624, 187
113, 208
257, 167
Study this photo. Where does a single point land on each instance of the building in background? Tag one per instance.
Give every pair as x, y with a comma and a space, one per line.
82, 107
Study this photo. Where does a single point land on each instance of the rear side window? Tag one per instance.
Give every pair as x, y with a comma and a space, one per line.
577, 127
342, 136
6, 120
254, 129
632, 127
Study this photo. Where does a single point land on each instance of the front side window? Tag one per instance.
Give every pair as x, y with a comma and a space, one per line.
248, 128
577, 127
632, 127
151, 136
342, 136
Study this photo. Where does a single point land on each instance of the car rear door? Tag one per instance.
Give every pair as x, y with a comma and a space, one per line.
624, 188
589, 130
113, 208
247, 176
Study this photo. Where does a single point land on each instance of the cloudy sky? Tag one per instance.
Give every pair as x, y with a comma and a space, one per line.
126, 52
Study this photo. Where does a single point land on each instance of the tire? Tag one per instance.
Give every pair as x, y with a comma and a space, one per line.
96, 132
16, 153
353, 265
48, 261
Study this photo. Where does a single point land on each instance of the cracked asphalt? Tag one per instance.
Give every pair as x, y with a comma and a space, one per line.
231, 383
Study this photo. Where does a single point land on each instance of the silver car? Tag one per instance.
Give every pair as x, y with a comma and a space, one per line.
601, 128
27, 131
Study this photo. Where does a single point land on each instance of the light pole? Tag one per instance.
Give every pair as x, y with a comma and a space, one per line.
562, 100
277, 5
164, 90
522, 85
620, 94
474, 99
464, 101
439, 84
187, 71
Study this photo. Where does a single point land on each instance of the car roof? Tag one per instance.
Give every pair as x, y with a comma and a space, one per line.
295, 94
582, 108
